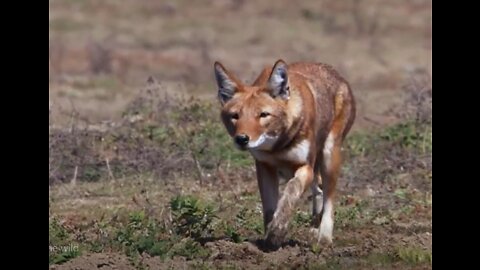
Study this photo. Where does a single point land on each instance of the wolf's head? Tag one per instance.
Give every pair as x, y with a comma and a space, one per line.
254, 115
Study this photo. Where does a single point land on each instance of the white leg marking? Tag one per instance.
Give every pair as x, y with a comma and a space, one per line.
326, 227
327, 149
317, 198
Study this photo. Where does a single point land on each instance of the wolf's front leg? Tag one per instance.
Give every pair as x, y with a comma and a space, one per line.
294, 189
268, 184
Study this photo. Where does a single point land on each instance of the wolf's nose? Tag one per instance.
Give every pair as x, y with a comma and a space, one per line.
242, 139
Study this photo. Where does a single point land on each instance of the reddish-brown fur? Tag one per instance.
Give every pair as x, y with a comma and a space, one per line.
295, 119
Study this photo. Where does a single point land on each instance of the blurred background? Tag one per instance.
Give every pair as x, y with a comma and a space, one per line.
101, 52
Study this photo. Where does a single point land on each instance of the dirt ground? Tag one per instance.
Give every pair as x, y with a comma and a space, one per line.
367, 241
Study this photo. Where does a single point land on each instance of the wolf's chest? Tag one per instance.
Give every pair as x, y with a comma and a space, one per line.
296, 155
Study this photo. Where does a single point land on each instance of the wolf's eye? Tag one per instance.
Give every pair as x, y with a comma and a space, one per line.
264, 114
235, 116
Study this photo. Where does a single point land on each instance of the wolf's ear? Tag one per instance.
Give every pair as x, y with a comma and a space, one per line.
227, 84
278, 80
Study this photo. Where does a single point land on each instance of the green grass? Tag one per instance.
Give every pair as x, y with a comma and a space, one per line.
410, 135
142, 234
414, 255
407, 135
353, 215
61, 243
192, 217
139, 232
302, 218
380, 259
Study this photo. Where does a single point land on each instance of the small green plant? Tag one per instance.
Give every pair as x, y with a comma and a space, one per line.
233, 233
191, 217
402, 193
102, 232
359, 144
316, 248
414, 255
142, 234
380, 259
302, 218
61, 246
63, 254
190, 249
352, 215
248, 219
410, 135
57, 233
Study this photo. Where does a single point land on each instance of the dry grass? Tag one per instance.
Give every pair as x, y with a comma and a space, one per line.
375, 44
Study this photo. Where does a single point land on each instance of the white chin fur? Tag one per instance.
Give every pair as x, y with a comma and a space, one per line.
264, 142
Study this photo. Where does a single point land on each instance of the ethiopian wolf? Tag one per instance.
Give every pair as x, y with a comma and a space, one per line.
293, 120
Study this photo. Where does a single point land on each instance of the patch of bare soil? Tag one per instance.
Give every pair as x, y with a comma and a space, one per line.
104, 261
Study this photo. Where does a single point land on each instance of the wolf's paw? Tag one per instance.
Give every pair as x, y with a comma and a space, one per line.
275, 235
